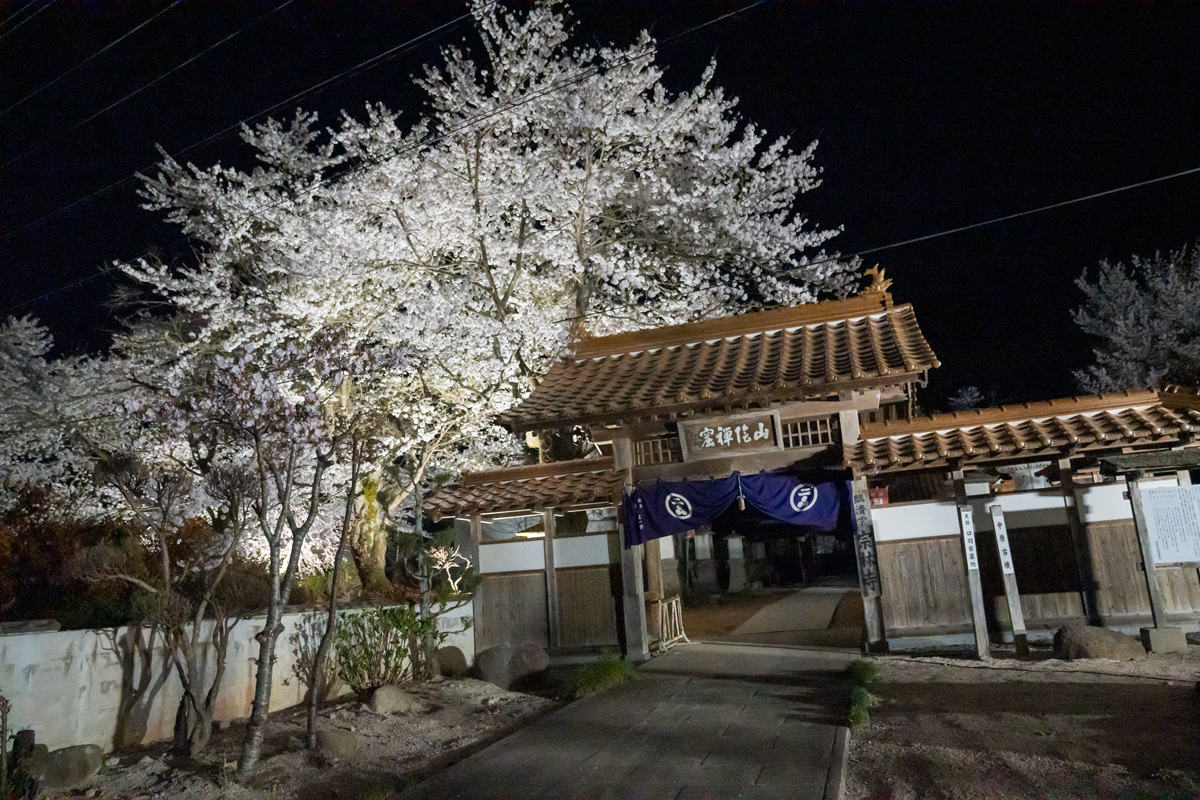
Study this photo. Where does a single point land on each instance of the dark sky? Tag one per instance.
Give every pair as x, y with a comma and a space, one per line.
929, 116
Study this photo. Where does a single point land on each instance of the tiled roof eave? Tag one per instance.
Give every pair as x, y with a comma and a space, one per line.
855, 458
520, 424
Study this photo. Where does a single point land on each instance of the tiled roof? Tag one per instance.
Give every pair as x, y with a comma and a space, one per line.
564, 483
781, 354
1030, 429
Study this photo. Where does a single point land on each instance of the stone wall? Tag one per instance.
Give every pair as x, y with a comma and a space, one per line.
67, 685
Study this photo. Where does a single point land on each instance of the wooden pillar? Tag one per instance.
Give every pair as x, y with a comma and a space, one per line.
654, 577
637, 638
1079, 542
479, 600
552, 624
966, 524
1184, 476
1004, 549
1157, 607
869, 583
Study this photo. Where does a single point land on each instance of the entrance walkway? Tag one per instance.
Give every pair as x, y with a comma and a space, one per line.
704, 720
807, 618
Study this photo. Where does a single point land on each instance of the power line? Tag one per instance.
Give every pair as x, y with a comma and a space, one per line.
145, 86
16, 13
1005, 218
362, 66
90, 58
949, 231
22, 22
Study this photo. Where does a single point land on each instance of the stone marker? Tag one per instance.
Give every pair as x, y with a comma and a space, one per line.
339, 744
391, 700
1168, 639
508, 663
1079, 640
451, 661
67, 766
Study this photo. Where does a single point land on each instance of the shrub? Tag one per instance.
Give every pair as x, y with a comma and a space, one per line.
860, 714
599, 675
862, 672
376, 647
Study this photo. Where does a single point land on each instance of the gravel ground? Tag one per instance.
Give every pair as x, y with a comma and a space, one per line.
1038, 727
452, 719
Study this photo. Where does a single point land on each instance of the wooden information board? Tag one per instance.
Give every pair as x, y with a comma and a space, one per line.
1173, 524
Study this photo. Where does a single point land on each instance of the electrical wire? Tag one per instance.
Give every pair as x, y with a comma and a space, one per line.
16, 13
949, 231
357, 69
13, 29
143, 87
90, 58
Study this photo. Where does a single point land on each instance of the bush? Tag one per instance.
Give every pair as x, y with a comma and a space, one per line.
860, 714
314, 587
599, 675
375, 647
861, 672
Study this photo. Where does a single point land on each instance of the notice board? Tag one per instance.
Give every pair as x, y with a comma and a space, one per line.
1173, 524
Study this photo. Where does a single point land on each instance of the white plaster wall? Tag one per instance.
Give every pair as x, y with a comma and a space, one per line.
1102, 502
66, 685
581, 551
518, 556
914, 521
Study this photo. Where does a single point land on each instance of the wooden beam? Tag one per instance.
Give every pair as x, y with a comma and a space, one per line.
966, 525
637, 638
552, 618
1079, 541
1157, 607
869, 583
1004, 550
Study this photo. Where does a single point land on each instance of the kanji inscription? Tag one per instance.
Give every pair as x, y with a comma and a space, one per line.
714, 437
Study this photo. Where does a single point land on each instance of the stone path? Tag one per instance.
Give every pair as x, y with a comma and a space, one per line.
801, 618
705, 720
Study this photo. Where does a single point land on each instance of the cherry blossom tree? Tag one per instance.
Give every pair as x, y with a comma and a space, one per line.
1147, 317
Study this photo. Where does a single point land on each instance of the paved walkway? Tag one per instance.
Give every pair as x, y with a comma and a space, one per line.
705, 720
802, 618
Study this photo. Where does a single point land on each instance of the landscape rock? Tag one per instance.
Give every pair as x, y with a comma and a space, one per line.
339, 744
391, 700
451, 661
67, 766
508, 663
1078, 640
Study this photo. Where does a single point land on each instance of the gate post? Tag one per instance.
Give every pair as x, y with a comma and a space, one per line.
637, 638
868, 566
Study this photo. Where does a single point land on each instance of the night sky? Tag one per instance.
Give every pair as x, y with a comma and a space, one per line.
929, 116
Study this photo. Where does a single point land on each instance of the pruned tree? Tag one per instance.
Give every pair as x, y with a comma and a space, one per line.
1147, 317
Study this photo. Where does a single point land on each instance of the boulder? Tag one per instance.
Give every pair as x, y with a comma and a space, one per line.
1078, 640
451, 661
391, 700
67, 766
339, 744
508, 663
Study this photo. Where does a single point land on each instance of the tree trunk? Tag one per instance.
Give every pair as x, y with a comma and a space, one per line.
369, 542
252, 746
316, 689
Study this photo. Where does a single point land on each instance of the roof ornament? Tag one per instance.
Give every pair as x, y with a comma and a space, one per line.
879, 285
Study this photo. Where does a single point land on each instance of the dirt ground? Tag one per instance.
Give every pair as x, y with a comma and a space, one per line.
454, 718
722, 614
1008, 728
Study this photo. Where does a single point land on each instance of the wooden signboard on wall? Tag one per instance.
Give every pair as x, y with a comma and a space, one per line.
730, 435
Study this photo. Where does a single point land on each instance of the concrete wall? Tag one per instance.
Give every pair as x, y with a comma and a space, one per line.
66, 685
